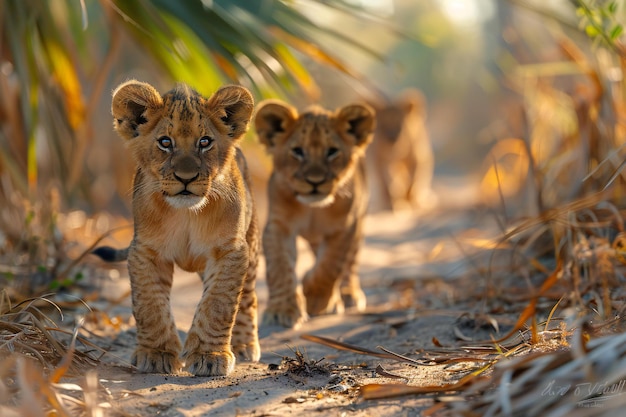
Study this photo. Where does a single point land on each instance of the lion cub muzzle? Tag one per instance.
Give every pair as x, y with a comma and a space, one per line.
186, 169
183, 186
317, 189
315, 176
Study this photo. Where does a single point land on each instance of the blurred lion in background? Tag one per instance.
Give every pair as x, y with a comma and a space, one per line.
400, 159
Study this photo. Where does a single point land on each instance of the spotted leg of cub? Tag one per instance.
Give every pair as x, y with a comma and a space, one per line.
207, 350
245, 340
245, 336
322, 284
158, 344
352, 295
286, 305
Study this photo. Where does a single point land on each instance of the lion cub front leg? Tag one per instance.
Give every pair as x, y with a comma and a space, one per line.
207, 350
158, 344
245, 338
286, 305
352, 295
333, 279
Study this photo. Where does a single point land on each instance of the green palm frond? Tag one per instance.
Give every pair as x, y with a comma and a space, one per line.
215, 36
58, 57
61, 53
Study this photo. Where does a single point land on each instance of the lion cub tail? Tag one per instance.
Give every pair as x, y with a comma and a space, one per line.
109, 254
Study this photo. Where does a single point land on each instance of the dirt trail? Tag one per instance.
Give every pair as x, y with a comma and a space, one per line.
410, 266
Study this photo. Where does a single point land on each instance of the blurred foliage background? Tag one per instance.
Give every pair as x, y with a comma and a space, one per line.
525, 97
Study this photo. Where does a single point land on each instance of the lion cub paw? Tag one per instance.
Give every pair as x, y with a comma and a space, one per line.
286, 317
321, 300
154, 361
318, 304
247, 352
210, 363
354, 299
286, 314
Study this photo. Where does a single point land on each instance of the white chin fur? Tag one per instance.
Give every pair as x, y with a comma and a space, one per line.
194, 203
316, 200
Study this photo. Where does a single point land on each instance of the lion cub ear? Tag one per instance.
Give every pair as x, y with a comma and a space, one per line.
233, 105
273, 119
413, 100
130, 102
356, 122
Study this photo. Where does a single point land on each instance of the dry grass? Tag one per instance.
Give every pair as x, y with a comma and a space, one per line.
300, 365
43, 249
39, 374
553, 361
587, 379
563, 246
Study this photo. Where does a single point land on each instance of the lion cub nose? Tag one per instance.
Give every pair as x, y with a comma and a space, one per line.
186, 169
315, 179
186, 177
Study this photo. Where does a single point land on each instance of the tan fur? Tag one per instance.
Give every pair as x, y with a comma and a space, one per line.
210, 228
400, 159
317, 190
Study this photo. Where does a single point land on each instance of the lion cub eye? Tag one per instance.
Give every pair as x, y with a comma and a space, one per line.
205, 143
165, 143
332, 153
297, 152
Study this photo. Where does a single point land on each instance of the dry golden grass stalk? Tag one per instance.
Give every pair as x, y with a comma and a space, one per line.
26, 330
33, 361
28, 390
589, 379
345, 346
44, 249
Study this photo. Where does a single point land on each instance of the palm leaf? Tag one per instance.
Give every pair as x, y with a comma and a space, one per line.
61, 56
227, 31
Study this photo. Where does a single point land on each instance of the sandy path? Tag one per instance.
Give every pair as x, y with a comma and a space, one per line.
409, 247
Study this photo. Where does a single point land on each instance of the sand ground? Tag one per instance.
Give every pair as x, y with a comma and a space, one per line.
413, 268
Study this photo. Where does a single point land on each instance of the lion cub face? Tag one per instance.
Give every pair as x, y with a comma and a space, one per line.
181, 140
314, 153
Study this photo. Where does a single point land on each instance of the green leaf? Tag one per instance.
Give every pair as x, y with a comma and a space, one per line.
616, 32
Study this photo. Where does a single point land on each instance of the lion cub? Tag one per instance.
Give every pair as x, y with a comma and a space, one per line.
192, 207
401, 157
317, 190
